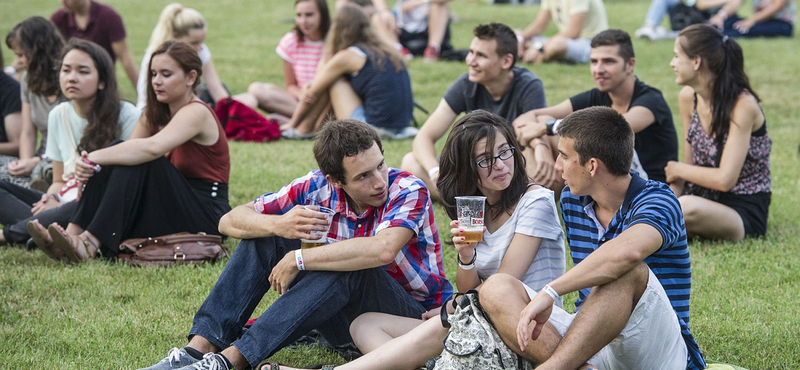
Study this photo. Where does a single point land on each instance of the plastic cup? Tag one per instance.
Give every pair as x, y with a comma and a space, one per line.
470, 217
314, 242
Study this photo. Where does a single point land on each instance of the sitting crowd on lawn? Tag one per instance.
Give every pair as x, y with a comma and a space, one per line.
605, 161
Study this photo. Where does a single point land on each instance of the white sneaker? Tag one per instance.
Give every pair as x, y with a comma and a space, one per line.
647, 32
176, 359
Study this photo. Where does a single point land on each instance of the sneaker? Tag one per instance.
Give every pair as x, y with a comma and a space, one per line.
651, 33
176, 359
431, 53
210, 361
406, 53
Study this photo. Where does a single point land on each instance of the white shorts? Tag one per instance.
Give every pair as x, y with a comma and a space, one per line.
650, 340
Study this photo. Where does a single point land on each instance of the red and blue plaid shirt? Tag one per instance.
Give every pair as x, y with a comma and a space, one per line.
418, 267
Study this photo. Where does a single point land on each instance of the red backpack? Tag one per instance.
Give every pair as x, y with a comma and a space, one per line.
243, 123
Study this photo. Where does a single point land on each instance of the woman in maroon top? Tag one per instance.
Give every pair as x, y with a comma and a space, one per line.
171, 176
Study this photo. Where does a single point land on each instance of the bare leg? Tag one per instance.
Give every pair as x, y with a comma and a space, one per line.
602, 317
270, 98
555, 49
711, 220
438, 17
408, 351
410, 164
317, 113
371, 330
343, 98
503, 297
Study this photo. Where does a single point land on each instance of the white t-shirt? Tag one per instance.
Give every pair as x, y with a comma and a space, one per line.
144, 69
59, 147
535, 215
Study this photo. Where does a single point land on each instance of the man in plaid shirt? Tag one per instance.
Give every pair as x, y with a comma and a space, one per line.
382, 255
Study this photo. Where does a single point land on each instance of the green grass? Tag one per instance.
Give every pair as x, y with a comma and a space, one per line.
745, 305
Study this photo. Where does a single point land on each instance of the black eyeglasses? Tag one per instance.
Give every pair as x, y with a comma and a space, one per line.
504, 155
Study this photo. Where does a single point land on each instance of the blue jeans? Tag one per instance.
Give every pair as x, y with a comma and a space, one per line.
658, 9
324, 300
768, 28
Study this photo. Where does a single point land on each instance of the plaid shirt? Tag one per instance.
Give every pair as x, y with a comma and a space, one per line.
418, 267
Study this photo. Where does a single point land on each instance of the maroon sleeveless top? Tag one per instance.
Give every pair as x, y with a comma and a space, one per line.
210, 163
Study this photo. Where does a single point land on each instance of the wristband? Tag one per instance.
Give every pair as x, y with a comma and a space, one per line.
298, 258
433, 171
542, 143
551, 292
469, 265
96, 167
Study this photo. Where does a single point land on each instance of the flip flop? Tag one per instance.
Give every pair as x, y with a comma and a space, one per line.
62, 245
272, 366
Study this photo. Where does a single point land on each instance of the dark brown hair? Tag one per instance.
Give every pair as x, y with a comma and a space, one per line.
504, 36
40, 41
602, 133
324, 19
458, 175
725, 61
613, 37
158, 113
339, 139
103, 127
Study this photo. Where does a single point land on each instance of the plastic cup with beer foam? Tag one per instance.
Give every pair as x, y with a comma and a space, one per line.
318, 237
470, 217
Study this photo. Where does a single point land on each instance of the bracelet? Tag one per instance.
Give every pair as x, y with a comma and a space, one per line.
298, 258
551, 292
541, 143
96, 167
471, 264
433, 171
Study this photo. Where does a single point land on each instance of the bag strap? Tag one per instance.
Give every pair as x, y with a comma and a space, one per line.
443, 312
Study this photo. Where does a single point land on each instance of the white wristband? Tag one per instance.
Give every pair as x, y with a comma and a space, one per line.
466, 267
433, 171
551, 292
298, 258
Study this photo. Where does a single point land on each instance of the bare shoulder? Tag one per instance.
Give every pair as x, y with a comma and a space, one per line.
747, 111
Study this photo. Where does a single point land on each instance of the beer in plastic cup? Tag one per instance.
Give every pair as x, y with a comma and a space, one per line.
470, 217
323, 235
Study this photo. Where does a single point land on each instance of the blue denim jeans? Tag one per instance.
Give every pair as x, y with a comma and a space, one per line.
768, 28
657, 10
324, 300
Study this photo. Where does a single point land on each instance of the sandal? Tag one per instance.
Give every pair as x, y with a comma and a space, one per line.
73, 249
272, 366
42, 238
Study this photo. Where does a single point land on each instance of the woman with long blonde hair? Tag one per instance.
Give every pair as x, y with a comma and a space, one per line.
363, 78
177, 22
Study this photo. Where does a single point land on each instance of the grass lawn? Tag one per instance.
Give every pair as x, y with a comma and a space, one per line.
745, 303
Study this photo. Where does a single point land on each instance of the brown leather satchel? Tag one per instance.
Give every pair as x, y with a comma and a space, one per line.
172, 249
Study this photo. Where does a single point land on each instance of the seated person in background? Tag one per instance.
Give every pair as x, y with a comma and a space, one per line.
577, 22
644, 108
301, 51
364, 78
171, 176
770, 18
652, 30
631, 265
10, 114
492, 84
523, 238
416, 27
726, 132
92, 119
37, 44
383, 255
187, 25
99, 23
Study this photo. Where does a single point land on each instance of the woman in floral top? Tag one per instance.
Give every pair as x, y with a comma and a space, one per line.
726, 129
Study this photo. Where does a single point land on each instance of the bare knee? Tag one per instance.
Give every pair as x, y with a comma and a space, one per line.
498, 289
261, 89
691, 209
363, 325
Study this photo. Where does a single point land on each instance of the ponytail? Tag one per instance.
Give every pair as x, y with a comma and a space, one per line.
174, 21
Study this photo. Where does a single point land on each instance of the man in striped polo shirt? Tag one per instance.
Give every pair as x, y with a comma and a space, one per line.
632, 268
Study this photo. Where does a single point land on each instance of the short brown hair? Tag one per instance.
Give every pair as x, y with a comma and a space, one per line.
504, 36
602, 133
617, 37
339, 139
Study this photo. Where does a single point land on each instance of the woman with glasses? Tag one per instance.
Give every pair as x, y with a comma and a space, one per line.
522, 238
